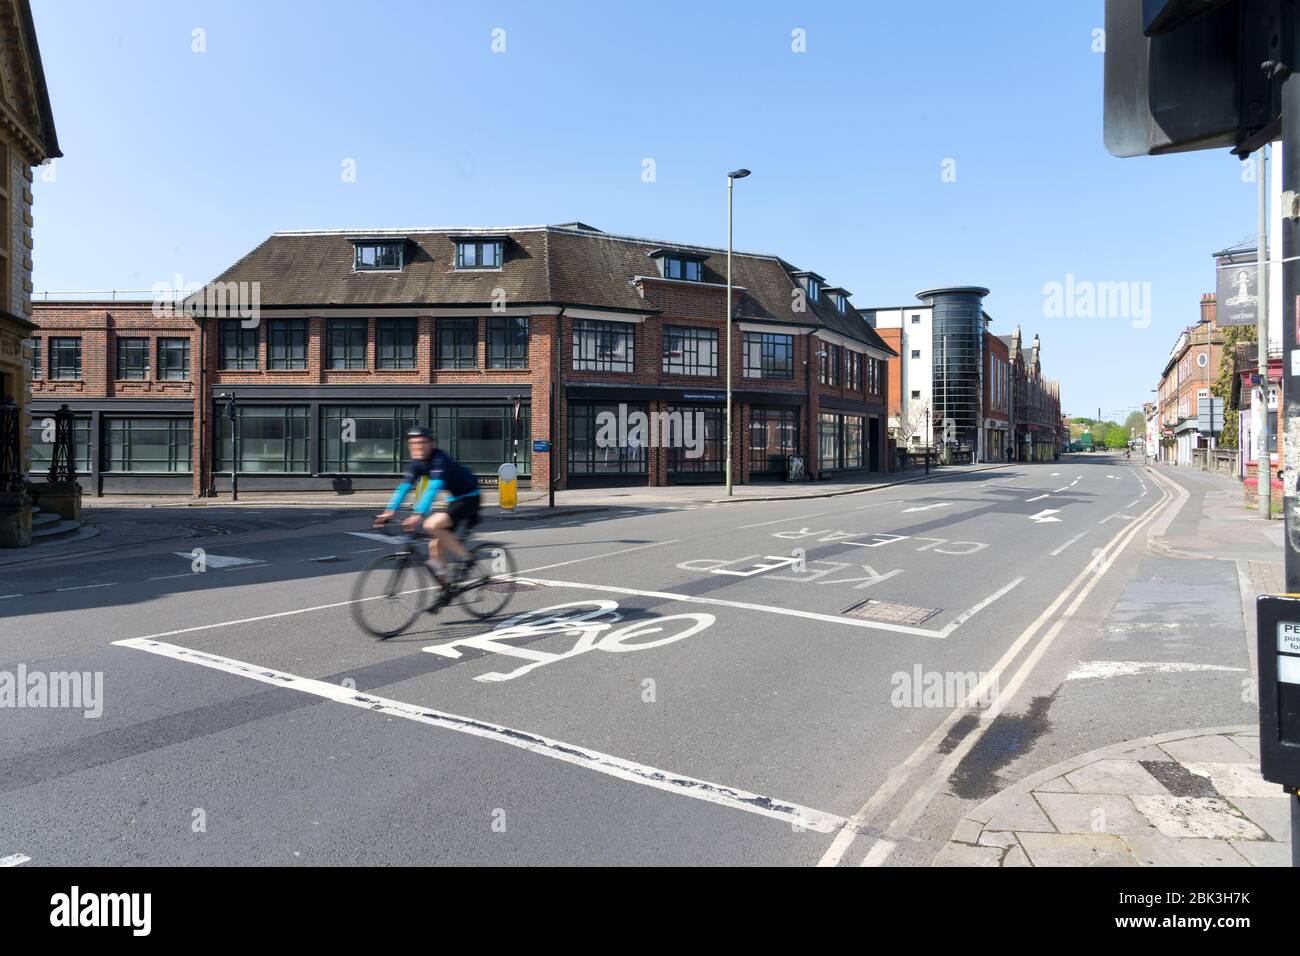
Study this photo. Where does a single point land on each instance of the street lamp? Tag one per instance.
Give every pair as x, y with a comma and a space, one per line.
731, 178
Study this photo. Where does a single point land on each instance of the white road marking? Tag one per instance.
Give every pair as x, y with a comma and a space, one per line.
597, 557
366, 550
937, 504
1039, 498
1117, 514
87, 587
788, 611
898, 777
219, 560
1053, 474
1103, 669
14, 859
1045, 515
373, 536
5, 597
764, 524
168, 577
1068, 543
791, 813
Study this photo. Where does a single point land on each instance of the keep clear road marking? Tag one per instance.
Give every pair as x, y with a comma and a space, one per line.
1079, 588
1045, 515
14, 859
787, 611
790, 813
220, 560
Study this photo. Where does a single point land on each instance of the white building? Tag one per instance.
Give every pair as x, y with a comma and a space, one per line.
916, 364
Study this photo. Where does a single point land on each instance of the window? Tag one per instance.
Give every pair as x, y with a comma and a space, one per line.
378, 257
65, 358
678, 267
833, 364
156, 445
174, 360
853, 371
916, 393
842, 303
603, 346
690, 351
916, 320
458, 343
699, 452
484, 254
828, 442
272, 439
814, 289
34, 360
875, 375
507, 342
840, 442
484, 437
286, 344
133, 359
590, 456
365, 439
237, 345
773, 438
769, 355
346, 343
395, 343
43, 451
916, 353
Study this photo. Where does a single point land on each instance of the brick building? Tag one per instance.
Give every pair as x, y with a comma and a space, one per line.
1189, 372
332, 342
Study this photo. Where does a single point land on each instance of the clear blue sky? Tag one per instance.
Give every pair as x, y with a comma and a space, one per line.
179, 162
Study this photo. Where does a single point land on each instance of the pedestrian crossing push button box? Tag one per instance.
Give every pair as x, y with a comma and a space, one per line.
1278, 638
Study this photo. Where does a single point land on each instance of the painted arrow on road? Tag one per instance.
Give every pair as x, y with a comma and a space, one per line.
940, 504
1045, 515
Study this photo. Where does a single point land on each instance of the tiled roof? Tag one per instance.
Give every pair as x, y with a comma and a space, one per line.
569, 265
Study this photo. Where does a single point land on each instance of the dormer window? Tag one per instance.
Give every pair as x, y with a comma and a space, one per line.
842, 303
379, 256
679, 264
479, 253
678, 267
814, 289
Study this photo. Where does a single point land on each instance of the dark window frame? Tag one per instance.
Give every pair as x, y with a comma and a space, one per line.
683, 268
770, 344
65, 358
286, 345
461, 335
506, 348
165, 350
131, 359
343, 338
237, 346
34, 363
388, 257
689, 363
180, 443
470, 254
597, 346
392, 344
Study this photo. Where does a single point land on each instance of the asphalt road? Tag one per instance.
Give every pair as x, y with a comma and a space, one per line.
718, 694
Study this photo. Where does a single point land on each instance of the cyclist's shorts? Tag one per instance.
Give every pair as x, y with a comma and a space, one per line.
463, 512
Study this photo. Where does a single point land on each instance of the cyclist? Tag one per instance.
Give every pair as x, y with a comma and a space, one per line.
430, 470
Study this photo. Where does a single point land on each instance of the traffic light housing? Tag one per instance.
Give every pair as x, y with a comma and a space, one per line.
1185, 75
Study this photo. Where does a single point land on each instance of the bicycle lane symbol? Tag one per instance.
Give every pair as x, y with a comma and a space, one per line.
591, 623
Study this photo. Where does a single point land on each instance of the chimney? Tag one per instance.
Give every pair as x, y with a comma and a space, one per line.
1209, 307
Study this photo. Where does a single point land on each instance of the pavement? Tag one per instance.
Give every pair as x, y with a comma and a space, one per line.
839, 681
1190, 797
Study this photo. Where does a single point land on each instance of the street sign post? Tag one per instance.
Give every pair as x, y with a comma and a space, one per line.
1209, 415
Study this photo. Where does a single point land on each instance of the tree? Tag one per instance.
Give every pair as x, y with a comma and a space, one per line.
1233, 336
1136, 423
912, 419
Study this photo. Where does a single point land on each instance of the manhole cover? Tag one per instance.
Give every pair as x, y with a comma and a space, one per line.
891, 613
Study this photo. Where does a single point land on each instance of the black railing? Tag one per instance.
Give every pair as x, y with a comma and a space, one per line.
62, 467
11, 447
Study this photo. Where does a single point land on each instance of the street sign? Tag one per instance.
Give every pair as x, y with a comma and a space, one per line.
541, 445
1209, 415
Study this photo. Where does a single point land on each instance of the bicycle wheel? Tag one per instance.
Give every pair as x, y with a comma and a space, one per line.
390, 594
488, 586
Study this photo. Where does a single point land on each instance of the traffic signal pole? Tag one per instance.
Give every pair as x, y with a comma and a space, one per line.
1289, 439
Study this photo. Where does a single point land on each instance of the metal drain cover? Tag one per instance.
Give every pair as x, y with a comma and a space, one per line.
891, 613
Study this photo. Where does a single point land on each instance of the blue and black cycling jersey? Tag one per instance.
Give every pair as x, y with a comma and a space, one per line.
427, 476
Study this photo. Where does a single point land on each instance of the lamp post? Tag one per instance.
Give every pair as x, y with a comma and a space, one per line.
233, 414
731, 178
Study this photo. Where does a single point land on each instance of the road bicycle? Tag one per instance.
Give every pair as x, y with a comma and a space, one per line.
396, 588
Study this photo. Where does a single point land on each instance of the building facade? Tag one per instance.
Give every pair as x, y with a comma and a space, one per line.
27, 140
568, 352
1189, 373
961, 387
